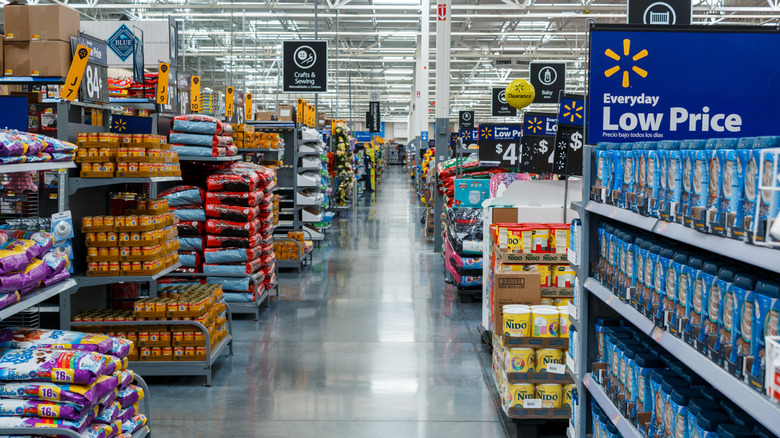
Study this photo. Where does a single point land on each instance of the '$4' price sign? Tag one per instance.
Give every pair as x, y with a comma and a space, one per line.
506, 153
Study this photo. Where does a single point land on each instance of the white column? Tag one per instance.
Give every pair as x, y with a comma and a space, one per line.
442, 134
423, 68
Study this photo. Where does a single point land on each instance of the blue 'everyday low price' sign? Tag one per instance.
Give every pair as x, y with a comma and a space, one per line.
651, 84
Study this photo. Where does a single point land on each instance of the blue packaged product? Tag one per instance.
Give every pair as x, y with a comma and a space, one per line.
768, 170
711, 394
654, 177
604, 170
689, 172
603, 246
663, 418
701, 293
707, 423
731, 430
695, 406
626, 177
602, 327
616, 168
640, 174
718, 164
642, 248
678, 278
625, 361
763, 432
741, 323
631, 271
674, 180
651, 262
655, 403
625, 242
667, 147
735, 170
721, 292
678, 415
660, 302
643, 366
766, 311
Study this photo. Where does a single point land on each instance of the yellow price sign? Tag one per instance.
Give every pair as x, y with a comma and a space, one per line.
162, 83
248, 106
229, 102
71, 89
301, 111
195, 94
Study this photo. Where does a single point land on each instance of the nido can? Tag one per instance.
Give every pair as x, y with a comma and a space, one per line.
520, 360
517, 321
546, 356
519, 392
545, 323
550, 394
568, 394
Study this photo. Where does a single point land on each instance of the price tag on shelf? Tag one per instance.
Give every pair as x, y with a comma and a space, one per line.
532, 403
587, 381
616, 419
662, 226
613, 213
657, 334
609, 300
556, 368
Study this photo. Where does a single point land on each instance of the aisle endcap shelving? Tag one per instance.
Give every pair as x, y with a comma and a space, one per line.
74, 184
34, 167
756, 255
754, 403
576, 206
36, 297
623, 425
260, 150
84, 281
260, 295
31, 80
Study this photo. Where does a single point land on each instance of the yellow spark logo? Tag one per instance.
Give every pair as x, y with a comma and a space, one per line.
535, 125
120, 125
572, 111
487, 132
626, 52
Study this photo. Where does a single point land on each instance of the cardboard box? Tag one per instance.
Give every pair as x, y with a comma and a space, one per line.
264, 116
16, 58
49, 58
286, 113
16, 20
53, 23
504, 215
513, 288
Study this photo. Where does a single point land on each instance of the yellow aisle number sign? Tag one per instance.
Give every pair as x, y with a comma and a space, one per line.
248, 106
229, 102
162, 83
71, 89
301, 111
195, 94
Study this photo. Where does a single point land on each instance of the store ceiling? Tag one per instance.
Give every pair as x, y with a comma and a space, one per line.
373, 42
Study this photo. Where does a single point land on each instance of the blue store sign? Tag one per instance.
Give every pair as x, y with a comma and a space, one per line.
650, 84
539, 125
500, 132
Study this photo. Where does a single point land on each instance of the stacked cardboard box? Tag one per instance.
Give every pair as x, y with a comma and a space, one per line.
37, 39
244, 136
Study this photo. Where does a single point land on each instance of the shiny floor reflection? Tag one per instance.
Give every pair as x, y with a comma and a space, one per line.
366, 342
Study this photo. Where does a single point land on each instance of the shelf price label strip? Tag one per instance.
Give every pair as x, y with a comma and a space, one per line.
71, 88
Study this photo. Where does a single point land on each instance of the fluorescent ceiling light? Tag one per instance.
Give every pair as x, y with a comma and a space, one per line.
397, 2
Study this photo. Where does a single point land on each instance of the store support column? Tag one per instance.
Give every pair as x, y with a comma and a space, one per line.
421, 79
442, 125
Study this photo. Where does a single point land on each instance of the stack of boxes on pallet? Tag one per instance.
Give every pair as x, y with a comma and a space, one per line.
106, 155
168, 340
244, 136
42, 30
288, 250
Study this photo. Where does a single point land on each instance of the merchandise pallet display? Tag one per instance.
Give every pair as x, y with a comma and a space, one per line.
596, 298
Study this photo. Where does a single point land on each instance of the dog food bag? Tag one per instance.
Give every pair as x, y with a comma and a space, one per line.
190, 259
249, 267
133, 424
766, 312
194, 127
183, 195
231, 255
130, 395
79, 425
191, 244
98, 430
54, 339
45, 409
190, 213
228, 241
241, 199
128, 413
230, 228
109, 398
108, 414
60, 366
12, 260
190, 228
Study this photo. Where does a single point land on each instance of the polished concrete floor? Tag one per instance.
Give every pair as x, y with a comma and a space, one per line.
368, 342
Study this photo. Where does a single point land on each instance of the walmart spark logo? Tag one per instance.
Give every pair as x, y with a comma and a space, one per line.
535, 125
573, 110
486, 132
626, 52
120, 125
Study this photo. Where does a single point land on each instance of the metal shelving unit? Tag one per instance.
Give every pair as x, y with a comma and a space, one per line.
212, 159
74, 184
34, 167
623, 425
31, 80
85, 281
594, 296
177, 367
36, 297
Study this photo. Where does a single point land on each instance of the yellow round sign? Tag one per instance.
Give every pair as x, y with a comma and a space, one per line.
520, 93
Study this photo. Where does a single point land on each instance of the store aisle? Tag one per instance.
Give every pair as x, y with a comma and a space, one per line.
367, 342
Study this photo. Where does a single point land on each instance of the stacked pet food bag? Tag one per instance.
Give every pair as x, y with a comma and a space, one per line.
28, 262
657, 393
239, 229
22, 147
69, 380
195, 135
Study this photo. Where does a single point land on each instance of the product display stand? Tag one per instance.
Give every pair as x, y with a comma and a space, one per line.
595, 298
259, 299
177, 367
304, 256
57, 431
